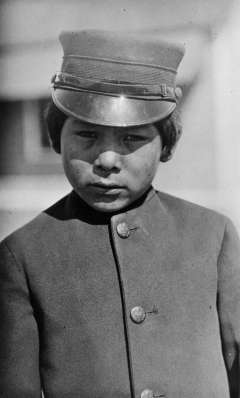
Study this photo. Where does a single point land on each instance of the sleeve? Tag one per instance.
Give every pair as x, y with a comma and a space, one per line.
19, 344
229, 305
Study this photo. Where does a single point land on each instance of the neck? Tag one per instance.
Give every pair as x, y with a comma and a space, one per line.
80, 209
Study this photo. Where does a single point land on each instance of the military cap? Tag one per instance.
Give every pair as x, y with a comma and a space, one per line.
116, 79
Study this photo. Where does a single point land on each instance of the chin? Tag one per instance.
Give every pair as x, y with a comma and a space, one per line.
110, 206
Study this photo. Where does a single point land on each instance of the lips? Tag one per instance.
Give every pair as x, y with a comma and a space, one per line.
106, 187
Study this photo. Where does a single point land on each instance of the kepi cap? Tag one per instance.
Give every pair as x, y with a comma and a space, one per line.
117, 79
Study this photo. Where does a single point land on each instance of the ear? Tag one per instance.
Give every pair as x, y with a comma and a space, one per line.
166, 154
168, 150
54, 143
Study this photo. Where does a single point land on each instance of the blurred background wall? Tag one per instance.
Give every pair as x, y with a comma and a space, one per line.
206, 166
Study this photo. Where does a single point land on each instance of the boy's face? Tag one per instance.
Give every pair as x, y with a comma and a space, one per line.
109, 167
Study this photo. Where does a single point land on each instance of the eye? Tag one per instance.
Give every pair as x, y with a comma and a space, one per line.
90, 135
135, 138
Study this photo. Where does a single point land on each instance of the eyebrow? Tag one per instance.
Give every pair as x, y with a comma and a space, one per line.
121, 129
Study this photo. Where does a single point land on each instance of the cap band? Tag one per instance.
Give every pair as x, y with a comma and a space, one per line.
122, 62
117, 71
138, 91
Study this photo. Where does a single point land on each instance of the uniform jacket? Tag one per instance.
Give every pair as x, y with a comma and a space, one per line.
72, 278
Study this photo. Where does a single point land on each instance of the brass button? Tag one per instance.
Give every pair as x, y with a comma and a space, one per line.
123, 230
150, 394
147, 393
178, 92
137, 314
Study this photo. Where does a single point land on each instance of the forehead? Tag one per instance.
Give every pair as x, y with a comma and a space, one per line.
76, 124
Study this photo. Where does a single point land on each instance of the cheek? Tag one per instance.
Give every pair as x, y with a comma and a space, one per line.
68, 156
75, 168
147, 161
148, 170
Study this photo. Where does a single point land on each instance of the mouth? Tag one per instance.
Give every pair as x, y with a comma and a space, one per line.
107, 187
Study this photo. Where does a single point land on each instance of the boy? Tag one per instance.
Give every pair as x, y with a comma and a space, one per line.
118, 290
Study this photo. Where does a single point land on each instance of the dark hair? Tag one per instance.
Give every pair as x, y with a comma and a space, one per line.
169, 129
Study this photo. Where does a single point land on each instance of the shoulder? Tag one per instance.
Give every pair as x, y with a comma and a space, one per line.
43, 227
185, 207
192, 215
201, 224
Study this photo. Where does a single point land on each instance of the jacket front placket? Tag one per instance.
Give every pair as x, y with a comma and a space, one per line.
137, 256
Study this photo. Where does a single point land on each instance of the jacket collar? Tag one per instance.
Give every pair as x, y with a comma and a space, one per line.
150, 218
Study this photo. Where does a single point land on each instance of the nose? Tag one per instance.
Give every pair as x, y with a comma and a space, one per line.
108, 161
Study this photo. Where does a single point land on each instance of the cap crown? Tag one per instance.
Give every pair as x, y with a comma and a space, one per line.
120, 58
122, 46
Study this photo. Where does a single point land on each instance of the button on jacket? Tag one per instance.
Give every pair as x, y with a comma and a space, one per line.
145, 303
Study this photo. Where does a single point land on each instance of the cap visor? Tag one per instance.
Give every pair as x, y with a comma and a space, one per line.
111, 111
